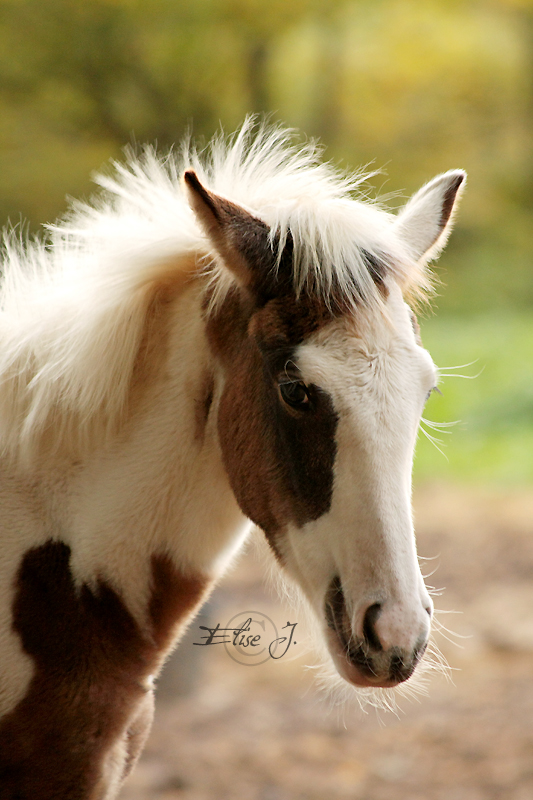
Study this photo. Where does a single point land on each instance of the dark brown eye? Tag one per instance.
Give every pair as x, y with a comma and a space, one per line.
294, 393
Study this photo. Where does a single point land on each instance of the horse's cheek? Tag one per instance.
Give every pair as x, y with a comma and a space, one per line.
247, 455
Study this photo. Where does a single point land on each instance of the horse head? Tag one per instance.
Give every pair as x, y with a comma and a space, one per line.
323, 394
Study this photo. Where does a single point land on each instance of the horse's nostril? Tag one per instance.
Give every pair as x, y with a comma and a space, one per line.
369, 630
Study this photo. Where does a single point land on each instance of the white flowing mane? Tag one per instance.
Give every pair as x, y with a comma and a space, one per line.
73, 306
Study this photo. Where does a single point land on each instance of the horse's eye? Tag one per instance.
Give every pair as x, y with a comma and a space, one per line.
294, 393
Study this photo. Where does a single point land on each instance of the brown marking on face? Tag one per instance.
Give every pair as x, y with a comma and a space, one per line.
203, 406
91, 663
286, 322
279, 461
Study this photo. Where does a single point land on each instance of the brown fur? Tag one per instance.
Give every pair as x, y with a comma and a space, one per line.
91, 663
280, 462
203, 406
174, 597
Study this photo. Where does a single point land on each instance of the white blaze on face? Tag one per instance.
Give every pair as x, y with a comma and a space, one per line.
378, 379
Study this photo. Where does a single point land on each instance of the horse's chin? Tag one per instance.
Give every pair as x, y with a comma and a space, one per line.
364, 672
353, 675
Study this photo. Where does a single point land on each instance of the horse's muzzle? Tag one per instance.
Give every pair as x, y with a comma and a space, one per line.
362, 659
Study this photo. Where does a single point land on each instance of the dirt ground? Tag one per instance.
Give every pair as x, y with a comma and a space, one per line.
225, 731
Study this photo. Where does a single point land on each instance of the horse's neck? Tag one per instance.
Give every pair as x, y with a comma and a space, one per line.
149, 518
160, 487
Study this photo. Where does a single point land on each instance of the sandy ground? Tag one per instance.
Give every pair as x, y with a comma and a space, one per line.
226, 731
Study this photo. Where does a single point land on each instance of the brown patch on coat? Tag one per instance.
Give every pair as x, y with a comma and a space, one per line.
91, 663
280, 463
203, 406
174, 597
279, 460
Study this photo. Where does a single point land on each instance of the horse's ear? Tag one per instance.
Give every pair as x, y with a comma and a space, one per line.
425, 222
240, 239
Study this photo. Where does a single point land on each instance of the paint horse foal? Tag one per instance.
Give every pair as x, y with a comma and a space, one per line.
180, 360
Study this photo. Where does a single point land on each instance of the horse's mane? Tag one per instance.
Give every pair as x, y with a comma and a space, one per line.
74, 304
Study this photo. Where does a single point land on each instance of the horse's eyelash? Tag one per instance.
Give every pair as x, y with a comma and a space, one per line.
291, 376
433, 389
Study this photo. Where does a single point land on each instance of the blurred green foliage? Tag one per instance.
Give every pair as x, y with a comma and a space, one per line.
492, 406
414, 86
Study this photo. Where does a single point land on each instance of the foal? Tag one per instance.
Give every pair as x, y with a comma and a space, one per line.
215, 342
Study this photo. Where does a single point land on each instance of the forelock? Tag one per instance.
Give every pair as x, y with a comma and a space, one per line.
344, 247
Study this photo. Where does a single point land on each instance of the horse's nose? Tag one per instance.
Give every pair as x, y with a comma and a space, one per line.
393, 641
393, 628
382, 645
385, 654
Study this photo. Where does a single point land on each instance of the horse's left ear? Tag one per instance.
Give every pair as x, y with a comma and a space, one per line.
425, 222
240, 239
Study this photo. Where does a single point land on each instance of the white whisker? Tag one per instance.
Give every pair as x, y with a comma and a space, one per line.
461, 366
440, 425
429, 574
434, 441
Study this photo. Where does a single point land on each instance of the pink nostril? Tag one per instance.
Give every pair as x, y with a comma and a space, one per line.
369, 627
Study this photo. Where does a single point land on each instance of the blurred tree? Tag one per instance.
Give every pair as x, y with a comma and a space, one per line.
421, 87
523, 11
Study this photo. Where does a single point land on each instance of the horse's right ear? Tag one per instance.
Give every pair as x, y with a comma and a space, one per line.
425, 222
240, 239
